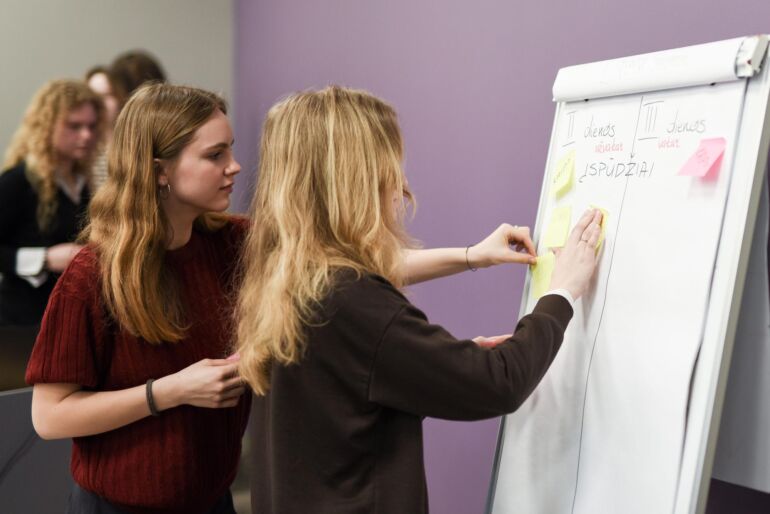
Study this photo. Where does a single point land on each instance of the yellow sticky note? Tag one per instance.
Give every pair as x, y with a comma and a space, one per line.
605, 215
564, 173
558, 228
541, 274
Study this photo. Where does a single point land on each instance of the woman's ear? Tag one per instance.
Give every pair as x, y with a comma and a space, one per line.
160, 172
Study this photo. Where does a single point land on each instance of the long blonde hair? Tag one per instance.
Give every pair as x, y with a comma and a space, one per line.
128, 227
330, 161
33, 141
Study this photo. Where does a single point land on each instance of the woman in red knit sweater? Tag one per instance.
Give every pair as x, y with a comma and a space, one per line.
131, 359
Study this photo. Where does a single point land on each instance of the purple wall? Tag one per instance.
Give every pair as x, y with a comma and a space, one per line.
471, 82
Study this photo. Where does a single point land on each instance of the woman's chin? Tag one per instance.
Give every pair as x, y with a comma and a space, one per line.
221, 206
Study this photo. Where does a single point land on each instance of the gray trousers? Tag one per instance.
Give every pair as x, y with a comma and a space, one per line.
85, 502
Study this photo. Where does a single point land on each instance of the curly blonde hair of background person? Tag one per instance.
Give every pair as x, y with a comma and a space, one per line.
128, 227
330, 163
33, 140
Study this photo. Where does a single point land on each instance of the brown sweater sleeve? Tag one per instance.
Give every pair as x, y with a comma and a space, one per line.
421, 368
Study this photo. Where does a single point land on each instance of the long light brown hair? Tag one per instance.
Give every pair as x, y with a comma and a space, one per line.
128, 227
330, 162
33, 141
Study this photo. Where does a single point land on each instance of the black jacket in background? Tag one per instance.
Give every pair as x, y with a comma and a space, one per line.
20, 303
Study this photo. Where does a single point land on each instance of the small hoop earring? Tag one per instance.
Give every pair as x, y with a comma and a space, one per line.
165, 192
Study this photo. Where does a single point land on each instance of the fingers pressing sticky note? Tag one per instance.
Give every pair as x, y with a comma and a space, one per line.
564, 173
558, 228
605, 215
541, 274
707, 159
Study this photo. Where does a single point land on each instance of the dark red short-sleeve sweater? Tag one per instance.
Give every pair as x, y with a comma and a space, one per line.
185, 459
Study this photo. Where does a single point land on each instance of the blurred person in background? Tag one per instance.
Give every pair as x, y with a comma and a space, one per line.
131, 70
44, 195
115, 84
99, 79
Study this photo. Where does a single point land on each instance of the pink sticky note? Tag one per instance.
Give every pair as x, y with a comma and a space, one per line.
707, 159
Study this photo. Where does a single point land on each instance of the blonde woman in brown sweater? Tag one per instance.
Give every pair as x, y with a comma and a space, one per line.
344, 367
